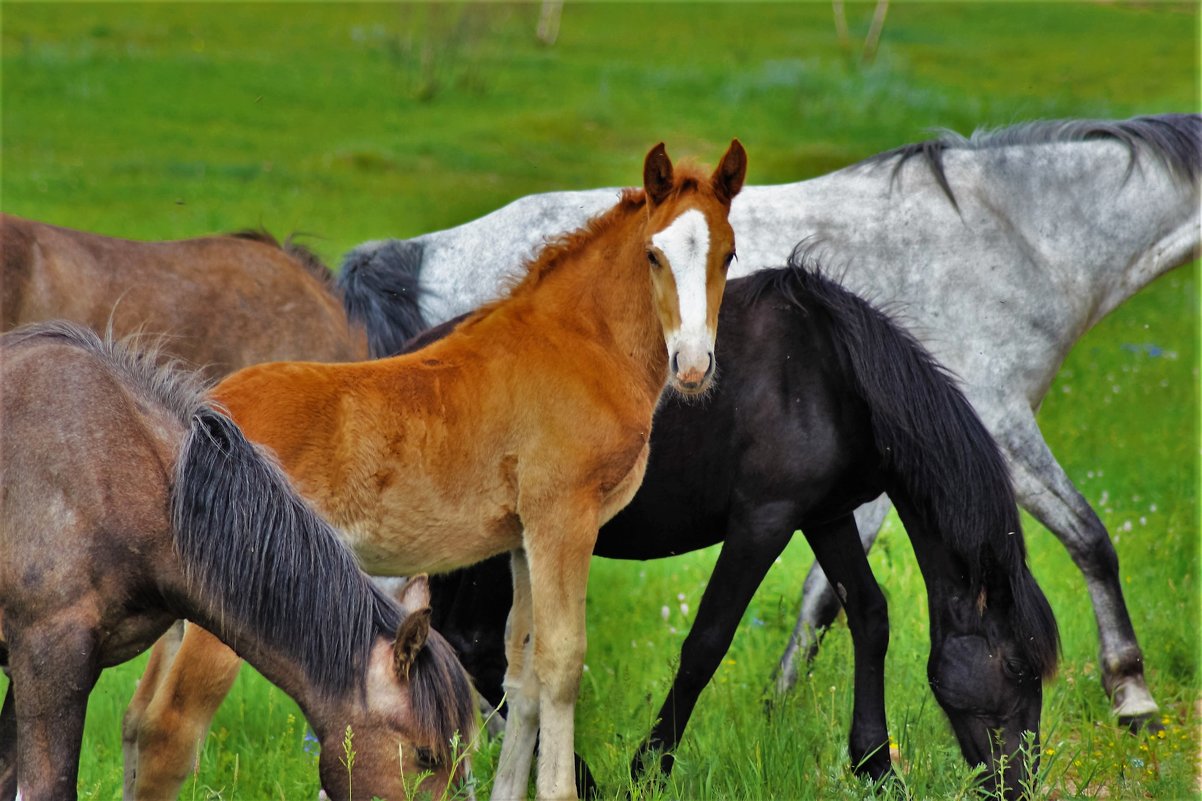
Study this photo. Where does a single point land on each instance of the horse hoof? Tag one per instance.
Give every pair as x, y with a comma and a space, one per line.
1141, 723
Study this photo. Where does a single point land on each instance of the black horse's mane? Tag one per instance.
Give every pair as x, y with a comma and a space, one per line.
1173, 139
260, 556
930, 438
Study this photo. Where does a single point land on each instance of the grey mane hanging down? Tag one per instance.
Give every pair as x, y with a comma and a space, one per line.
1173, 139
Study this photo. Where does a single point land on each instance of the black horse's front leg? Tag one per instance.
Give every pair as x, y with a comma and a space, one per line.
756, 537
837, 547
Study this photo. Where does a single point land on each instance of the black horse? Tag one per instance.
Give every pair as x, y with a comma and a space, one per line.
822, 405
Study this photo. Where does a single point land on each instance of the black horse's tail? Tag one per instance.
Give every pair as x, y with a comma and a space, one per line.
379, 283
930, 438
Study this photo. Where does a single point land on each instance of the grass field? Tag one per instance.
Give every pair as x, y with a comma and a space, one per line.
357, 121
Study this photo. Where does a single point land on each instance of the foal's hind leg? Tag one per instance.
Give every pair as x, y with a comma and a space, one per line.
8, 747
161, 656
53, 667
1046, 492
819, 606
521, 691
177, 718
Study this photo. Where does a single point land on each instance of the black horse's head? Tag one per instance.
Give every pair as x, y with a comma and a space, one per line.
990, 655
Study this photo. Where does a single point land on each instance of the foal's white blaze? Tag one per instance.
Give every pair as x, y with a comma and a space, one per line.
686, 244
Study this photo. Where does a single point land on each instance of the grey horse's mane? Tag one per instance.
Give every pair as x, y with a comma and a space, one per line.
1175, 140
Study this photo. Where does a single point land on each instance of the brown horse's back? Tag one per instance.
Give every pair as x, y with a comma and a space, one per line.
58, 502
225, 302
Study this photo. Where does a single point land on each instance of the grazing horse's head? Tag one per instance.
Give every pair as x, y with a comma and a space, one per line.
689, 246
989, 680
418, 701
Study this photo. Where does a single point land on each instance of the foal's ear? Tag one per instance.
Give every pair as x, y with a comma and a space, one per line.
410, 639
414, 593
657, 175
730, 172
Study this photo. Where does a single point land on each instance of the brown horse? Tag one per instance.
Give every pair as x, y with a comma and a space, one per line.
522, 431
153, 506
226, 302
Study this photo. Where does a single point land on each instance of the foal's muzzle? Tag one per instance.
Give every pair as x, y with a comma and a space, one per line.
692, 370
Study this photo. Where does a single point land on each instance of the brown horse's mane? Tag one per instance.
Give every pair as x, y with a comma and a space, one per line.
688, 178
306, 257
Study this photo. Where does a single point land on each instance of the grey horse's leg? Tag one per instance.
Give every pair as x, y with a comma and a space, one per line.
1046, 492
819, 606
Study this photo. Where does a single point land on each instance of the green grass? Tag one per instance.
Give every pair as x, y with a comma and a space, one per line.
352, 122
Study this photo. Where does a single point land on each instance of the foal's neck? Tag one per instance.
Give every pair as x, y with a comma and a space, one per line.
595, 285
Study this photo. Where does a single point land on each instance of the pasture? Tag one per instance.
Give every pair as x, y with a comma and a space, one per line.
352, 122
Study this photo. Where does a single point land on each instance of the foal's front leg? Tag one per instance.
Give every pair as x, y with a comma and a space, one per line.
559, 546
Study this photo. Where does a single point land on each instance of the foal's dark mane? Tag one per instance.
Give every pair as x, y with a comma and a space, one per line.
1173, 139
257, 553
930, 439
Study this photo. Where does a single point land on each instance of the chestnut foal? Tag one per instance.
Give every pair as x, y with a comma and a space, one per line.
523, 431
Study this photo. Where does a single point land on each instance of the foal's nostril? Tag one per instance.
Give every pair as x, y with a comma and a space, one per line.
709, 369
676, 364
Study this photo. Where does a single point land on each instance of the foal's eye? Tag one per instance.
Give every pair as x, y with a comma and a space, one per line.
729, 258
652, 259
426, 760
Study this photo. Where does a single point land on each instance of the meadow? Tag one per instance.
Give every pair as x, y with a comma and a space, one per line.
349, 122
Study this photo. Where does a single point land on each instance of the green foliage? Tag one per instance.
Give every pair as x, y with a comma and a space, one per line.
357, 121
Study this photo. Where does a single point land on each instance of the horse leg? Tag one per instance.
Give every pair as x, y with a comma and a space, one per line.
1046, 492
819, 605
559, 551
177, 717
466, 605
521, 691
841, 554
53, 665
8, 747
755, 538
161, 656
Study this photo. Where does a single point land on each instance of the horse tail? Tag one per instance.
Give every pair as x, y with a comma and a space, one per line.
933, 444
379, 283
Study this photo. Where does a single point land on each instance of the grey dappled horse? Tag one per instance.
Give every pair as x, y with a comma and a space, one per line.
1000, 251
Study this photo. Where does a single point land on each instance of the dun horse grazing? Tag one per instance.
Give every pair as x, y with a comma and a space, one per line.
153, 506
522, 431
225, 302
824, 403
1003, 249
